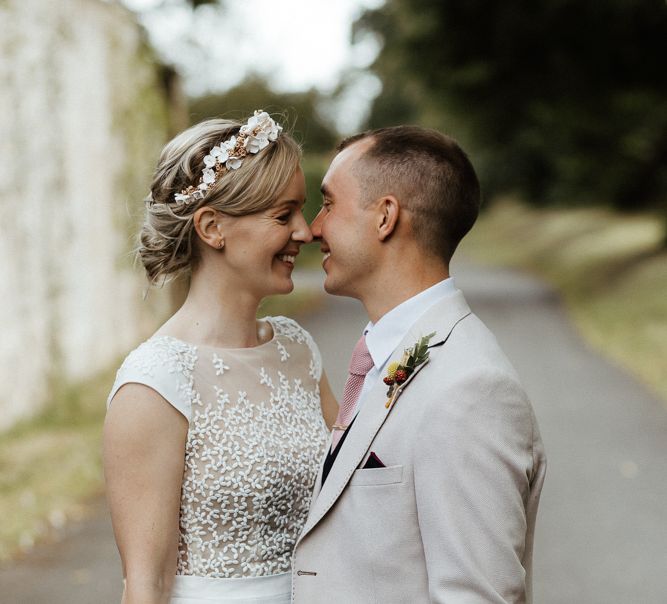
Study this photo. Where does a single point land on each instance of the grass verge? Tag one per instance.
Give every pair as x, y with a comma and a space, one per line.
51, 465
611, 270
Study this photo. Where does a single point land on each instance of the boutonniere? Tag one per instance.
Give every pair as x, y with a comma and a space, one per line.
399, 372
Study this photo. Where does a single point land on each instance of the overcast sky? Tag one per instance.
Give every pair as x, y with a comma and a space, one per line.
296, 44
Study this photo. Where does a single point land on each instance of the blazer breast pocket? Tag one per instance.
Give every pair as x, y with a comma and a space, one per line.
370, 477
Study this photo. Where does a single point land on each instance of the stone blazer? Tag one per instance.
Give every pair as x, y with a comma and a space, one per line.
451, 517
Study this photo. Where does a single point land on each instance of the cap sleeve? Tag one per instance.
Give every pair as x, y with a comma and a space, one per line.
164, 364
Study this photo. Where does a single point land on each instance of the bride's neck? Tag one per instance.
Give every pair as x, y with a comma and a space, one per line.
216, 315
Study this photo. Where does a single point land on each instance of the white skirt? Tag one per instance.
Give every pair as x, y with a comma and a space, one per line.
272, 589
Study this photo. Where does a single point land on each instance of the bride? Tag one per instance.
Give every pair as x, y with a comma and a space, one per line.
216, 424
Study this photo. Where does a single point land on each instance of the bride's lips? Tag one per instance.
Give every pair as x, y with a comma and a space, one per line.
288, 258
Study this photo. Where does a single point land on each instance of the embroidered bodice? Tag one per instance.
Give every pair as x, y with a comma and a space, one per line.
255, 439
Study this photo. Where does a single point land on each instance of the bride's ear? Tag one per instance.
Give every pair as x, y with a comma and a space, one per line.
208, 226
387, 217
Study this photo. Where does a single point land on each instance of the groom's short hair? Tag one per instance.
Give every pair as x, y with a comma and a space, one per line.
430, 175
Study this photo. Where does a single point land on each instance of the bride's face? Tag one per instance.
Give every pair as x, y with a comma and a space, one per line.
260, 249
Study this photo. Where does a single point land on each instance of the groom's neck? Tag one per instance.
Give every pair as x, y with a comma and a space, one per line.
400, 283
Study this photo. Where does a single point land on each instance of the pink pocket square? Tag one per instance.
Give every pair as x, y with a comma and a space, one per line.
373, 461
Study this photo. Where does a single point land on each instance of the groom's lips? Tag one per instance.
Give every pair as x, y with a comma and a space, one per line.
326, 253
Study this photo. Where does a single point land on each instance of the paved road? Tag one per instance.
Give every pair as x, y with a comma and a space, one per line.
602, 530
82, 568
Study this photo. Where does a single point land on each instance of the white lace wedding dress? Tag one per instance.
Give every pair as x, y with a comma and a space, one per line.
255, 440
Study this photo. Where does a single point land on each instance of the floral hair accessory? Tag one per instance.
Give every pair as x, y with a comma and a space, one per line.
399, 372
255, 135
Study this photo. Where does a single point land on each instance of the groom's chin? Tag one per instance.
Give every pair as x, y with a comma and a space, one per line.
329, 289
336, 289
330, 286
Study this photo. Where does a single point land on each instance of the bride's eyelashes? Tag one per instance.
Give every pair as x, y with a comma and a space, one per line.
285, 217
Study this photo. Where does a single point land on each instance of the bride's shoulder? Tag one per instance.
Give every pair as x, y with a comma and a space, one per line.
287, 327
166, 365
161, 353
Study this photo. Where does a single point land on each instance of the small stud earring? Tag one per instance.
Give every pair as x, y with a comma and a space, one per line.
220, 244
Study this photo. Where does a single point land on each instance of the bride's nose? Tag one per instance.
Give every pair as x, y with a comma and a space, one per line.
302, 231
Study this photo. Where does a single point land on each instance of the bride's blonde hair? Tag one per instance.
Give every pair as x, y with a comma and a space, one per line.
167, 239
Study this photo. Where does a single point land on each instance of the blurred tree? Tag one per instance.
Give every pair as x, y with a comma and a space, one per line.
300, 117
196, 3
559, 100
300, 110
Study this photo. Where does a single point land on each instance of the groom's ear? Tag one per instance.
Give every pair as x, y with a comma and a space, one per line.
388, 212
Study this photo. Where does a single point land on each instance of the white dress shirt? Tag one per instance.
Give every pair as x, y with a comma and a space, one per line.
383, 337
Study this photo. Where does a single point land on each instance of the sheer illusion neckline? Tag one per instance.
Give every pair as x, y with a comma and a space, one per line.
222, 348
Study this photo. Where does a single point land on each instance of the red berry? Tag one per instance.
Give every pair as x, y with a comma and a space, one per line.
400, 376
389, 381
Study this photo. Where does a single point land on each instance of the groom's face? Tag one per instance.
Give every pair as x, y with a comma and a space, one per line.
345, 226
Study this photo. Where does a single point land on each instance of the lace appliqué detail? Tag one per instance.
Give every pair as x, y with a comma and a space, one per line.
219, 365
284, 355
222, 398
295, 333
160, 354
265, 379
252, 457
166, 365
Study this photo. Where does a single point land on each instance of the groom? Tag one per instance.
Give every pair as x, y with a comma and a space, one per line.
430, 489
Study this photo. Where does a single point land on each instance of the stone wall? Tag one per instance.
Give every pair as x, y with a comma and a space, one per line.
83, 114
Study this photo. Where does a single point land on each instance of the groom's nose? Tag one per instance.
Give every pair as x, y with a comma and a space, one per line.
316, 225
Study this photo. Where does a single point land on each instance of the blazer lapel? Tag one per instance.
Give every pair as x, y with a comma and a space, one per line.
441, 318
318, 481
367, 423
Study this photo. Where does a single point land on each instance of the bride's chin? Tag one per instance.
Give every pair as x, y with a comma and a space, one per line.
284, 288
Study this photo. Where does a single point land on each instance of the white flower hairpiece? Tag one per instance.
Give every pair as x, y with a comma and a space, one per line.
255, 135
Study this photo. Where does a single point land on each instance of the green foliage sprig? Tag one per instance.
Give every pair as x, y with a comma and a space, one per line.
399, 372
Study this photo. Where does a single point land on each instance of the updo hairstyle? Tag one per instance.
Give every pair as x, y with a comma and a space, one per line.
167, 239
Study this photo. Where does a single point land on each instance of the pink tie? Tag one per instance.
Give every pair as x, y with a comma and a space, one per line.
360, 364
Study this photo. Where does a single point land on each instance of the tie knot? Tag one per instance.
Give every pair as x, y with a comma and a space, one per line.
361, 362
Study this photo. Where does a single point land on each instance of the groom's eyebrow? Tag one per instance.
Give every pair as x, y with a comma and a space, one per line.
325, 191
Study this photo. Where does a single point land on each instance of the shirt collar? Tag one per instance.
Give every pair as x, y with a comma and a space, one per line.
383, 337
